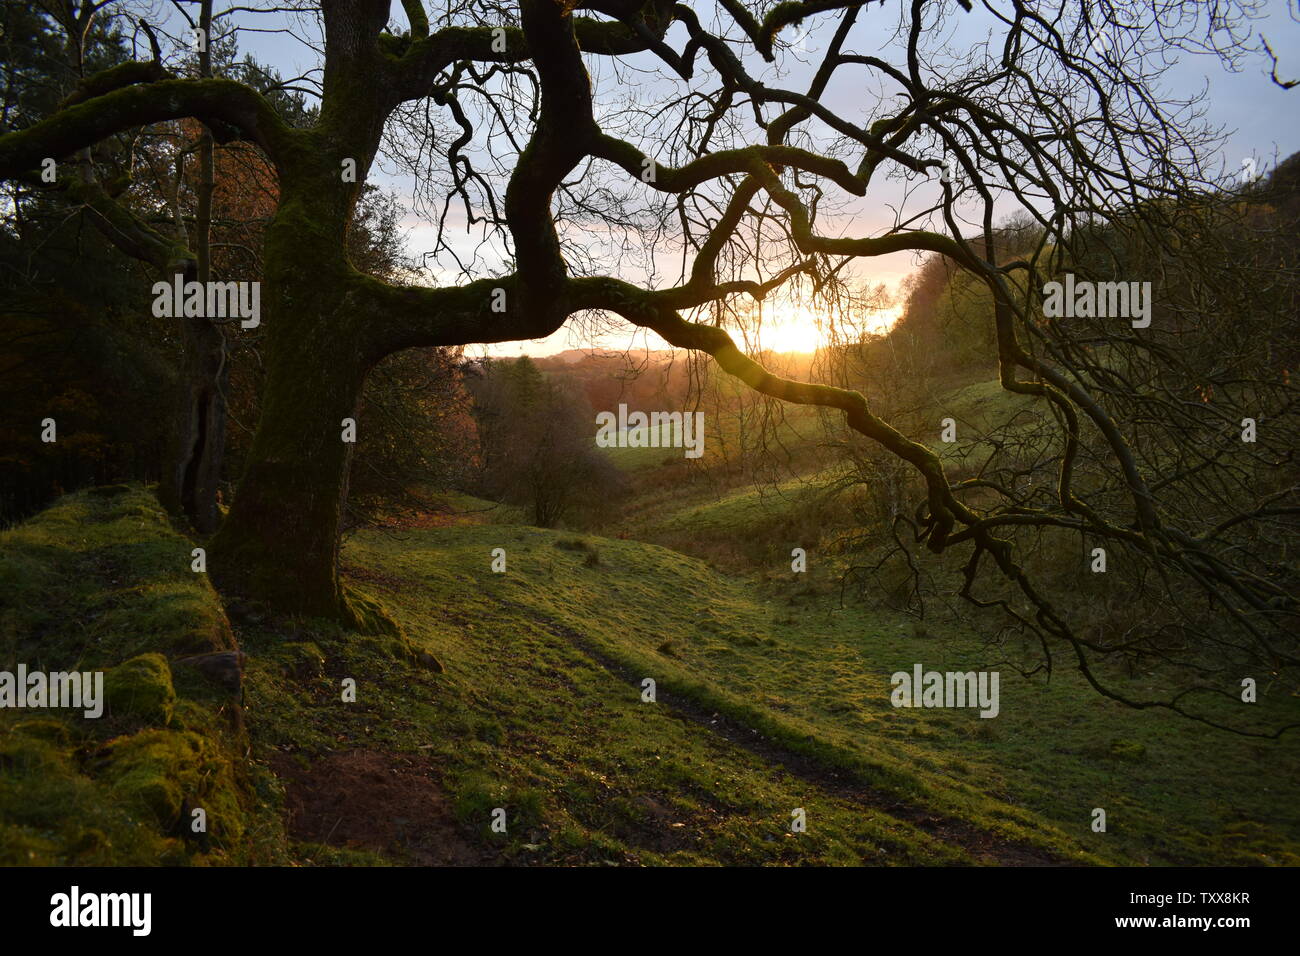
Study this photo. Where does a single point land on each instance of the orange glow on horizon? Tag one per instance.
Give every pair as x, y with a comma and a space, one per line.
784, 328
794, 329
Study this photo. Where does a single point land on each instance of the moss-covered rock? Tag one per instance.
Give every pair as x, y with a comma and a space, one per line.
151, 770
368, 614
171, 773
53, 814
177, 616
142, 688
101, 581
223, 669
49, 729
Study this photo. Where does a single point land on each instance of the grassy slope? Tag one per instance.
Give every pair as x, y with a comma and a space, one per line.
813, 678
101, 582
524, 719
1159, 769
774, 494
732, 517
771, 697
749, 524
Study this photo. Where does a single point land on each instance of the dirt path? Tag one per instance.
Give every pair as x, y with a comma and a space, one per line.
983, 846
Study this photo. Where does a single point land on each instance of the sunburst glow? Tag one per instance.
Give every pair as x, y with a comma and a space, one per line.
796, 329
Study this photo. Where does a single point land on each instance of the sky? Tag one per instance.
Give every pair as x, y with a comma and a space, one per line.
1257, 115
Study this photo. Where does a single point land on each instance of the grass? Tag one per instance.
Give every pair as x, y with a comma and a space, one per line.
770, 697
813, 677
524, 719
739, 518
101, 582
752, 524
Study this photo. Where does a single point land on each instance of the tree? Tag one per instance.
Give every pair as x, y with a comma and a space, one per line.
1062, 115
536, 441
72, 330
155, 194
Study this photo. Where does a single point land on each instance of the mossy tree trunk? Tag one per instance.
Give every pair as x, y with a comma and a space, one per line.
196, 446
280, 541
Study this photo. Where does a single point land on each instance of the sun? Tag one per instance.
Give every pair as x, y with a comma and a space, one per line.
798, 330
797, 333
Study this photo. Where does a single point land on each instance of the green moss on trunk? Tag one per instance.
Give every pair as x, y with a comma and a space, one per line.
280, 542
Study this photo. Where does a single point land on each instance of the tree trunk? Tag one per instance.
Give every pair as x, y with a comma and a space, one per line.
198, 440
280, 542
198, 443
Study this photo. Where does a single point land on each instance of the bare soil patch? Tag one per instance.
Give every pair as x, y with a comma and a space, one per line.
377, 800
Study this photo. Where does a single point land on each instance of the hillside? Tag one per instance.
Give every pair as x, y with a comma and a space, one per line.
523, 690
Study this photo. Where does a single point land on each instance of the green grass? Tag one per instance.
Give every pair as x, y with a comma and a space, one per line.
630, 457
739, 519
101, 582
523, 718
753, 524
984, 404
748, 510
814, 677
772, 696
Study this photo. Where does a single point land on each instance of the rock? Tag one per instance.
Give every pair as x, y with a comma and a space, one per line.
245, 612
162, 772
427, 660
141, 687
225, 668
301, 660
